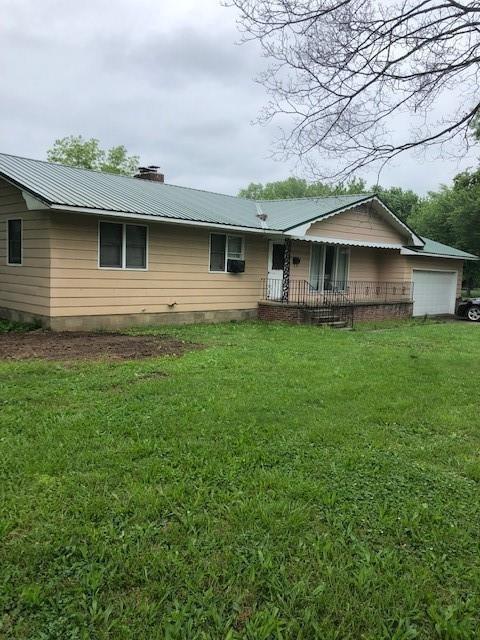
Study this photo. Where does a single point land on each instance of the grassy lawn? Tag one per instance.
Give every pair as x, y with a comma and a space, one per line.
283, 482
474, 293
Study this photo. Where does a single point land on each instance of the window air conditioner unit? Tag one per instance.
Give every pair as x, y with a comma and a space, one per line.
235, 266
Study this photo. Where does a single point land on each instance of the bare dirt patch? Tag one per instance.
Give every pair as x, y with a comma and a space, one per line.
50, 345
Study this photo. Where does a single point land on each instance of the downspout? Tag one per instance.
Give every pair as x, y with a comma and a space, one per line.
286, 269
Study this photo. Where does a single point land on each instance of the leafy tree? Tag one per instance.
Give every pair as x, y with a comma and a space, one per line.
452, 216
78, 152
401, 202
475, 126
299, 188
289, 188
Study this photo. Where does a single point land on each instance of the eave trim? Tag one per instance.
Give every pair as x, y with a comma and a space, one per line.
154, 218
420, 254
346, 242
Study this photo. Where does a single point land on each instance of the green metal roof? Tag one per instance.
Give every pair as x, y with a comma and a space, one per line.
57, 184
437, 248
292, 212
60, 185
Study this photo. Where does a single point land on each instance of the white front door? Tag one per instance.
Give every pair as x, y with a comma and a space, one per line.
434, 292
276, 252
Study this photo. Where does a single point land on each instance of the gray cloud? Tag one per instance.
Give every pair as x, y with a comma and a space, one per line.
185, 55
164, 78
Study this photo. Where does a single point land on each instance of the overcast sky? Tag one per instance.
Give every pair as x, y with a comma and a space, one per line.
163, 77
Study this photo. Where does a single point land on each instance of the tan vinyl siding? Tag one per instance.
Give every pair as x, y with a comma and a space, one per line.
364, 264
393, 266
24, 287
300, 250
364, 224
178, 263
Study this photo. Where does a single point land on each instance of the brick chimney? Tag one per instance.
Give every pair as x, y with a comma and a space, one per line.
150, 173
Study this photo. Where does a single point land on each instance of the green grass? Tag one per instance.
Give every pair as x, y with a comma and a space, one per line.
284, 482
474, 293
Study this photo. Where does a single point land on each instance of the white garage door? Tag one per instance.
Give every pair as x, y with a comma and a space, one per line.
434, 292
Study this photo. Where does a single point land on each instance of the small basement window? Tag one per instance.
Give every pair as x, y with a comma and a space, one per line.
14, 241
122, 246
224, 247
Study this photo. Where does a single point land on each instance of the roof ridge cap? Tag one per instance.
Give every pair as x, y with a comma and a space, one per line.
120, 175
340, 195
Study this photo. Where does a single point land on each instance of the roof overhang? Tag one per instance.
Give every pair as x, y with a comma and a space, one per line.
154, 218
345, 242
401, 226
33, 203
421, 254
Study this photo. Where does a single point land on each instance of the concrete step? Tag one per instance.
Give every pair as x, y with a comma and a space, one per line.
325, 320
329, 321
324, 316
321, 317
339, 324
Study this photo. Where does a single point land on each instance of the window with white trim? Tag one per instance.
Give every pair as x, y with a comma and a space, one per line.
14, 241
224, 247
122, 245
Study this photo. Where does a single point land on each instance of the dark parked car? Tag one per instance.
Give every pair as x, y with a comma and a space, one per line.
469, 309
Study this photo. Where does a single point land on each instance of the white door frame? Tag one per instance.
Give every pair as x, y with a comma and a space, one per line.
274, 276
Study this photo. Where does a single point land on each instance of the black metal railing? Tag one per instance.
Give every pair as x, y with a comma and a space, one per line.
336, 292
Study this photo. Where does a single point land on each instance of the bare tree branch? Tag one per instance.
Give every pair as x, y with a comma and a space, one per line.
342, 72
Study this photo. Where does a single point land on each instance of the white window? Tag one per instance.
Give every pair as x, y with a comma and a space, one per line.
329, 267
14, 241
223, 248
122, 246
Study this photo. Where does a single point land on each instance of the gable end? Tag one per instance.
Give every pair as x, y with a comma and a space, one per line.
368, 221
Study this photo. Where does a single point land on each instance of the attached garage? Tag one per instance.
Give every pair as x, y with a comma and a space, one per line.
434, 292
